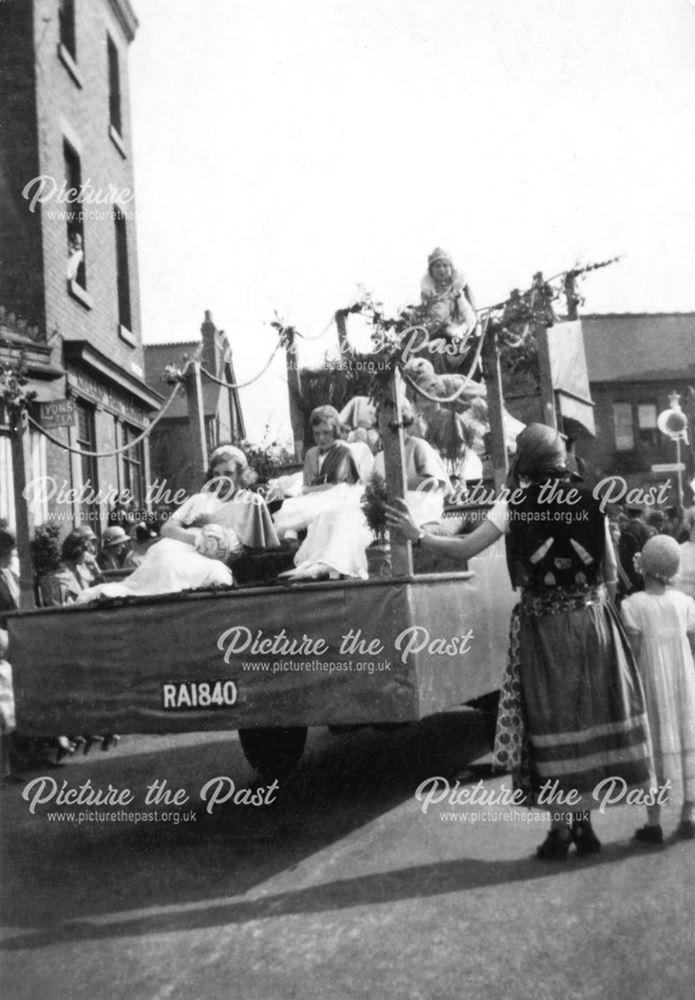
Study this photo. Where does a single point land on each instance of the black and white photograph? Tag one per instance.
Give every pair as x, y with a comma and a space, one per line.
347, 499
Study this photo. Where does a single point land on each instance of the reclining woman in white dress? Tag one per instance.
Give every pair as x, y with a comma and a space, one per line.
208, 530
337, 539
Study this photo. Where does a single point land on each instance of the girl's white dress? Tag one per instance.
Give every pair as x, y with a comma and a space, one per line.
665, 663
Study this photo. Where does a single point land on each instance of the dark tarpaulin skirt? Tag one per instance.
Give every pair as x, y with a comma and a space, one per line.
572, 707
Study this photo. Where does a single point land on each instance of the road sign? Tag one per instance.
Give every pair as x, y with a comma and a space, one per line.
669, 467
57, 413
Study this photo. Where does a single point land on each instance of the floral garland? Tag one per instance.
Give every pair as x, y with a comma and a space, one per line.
14, 379
512, 323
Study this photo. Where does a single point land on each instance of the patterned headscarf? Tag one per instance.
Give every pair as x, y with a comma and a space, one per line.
540, 455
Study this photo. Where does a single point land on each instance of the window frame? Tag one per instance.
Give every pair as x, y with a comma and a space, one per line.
67, 39
614, 416
125, 306
127, 464
74, 219
87, 462
648, 436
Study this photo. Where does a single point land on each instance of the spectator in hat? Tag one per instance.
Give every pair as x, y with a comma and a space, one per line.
114, 545
142, 537
633, 536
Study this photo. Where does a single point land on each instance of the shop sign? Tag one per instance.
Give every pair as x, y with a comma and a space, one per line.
57, 413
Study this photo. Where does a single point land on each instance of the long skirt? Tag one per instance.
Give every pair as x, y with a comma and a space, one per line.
572, 712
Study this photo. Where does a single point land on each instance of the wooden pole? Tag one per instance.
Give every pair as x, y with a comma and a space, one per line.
393, 440
196, 418
571, 295
545, 377
294, 389
495, 408
341, 325
20, 462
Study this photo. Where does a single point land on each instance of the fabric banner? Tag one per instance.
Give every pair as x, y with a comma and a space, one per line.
314, 654
569, 373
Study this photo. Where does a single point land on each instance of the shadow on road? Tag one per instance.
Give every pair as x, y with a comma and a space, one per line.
419, 881
61, 879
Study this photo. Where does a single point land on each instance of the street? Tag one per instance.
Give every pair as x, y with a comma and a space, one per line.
338, 886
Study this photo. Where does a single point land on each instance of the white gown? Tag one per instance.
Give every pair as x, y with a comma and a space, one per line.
337, 538
665, 663
170, 566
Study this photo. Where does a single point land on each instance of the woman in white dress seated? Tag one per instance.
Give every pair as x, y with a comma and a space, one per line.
208, 530
331, 476
336, 542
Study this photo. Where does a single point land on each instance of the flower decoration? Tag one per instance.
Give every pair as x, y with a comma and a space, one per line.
14, 379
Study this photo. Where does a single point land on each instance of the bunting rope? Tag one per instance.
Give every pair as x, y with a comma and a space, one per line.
323, 333
116, 451
241, 385
467, 378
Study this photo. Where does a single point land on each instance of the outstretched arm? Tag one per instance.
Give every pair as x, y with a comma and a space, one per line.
399, 517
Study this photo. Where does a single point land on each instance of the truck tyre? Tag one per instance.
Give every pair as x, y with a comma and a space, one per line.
273, 752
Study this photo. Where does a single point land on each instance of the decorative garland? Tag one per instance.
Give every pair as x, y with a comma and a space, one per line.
14, 379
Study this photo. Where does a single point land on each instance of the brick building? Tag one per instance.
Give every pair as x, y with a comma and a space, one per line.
170, 446
635, 362
69, 295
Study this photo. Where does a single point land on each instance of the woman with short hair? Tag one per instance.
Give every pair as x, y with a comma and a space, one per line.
65, 584
330, 477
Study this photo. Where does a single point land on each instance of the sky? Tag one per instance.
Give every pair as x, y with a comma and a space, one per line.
288, 152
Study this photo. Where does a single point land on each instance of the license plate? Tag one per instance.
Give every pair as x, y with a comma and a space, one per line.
180, 695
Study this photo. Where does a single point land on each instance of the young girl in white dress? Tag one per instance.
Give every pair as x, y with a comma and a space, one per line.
660, 622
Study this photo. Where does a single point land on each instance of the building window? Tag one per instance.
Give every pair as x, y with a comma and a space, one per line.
623, 426
66, 26
648, 431
133, 465
85, 438
114, 86
122, 271
77, 268
6, 475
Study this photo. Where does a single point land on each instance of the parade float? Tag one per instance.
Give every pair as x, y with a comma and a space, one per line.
271, 660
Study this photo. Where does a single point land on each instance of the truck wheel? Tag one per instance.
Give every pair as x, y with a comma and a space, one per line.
273, 752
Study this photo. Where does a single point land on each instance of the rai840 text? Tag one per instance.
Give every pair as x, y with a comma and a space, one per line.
199, 694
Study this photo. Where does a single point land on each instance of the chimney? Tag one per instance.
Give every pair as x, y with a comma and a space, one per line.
208, 331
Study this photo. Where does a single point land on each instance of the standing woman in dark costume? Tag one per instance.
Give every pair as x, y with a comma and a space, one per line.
572, 708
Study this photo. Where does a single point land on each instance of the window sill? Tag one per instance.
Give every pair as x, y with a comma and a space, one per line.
116, 139
79, 293
125, 334
70, 64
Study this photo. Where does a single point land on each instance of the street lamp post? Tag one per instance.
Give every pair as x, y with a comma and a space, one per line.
674, 424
